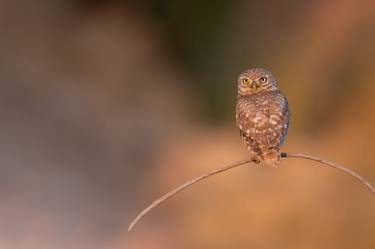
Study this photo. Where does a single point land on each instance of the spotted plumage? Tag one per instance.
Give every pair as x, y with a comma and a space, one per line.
262, 115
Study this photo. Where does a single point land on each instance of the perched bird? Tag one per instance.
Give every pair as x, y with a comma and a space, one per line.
262, 114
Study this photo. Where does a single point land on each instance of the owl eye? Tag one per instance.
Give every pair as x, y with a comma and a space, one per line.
263, 79
245, 81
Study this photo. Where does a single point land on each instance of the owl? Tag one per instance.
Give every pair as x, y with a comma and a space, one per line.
262, 115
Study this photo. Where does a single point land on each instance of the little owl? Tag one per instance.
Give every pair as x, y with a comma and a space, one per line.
262, 115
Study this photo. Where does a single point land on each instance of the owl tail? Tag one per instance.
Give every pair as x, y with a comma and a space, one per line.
272, 158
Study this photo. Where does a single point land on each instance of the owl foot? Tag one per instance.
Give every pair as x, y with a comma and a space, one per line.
256, 160
272, 159
273, 162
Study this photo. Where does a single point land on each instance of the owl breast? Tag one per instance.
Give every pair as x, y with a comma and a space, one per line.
263, 120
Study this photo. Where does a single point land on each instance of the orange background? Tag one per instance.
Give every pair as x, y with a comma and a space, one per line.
106, 105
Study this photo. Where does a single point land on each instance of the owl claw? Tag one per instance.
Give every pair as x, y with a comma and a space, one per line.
256, 160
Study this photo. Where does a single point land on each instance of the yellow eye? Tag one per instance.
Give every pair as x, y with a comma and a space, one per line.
263, 79
245, 81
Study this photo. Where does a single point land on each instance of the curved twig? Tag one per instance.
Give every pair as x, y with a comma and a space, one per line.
182, 187
239, 163
333, 165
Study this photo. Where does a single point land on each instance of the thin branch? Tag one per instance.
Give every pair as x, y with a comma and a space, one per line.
239, 163
183, 186
333, 165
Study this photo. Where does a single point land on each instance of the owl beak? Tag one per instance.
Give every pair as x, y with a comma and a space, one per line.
254, 86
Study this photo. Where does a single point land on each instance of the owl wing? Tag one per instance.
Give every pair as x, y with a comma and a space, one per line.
278, 122
247, 117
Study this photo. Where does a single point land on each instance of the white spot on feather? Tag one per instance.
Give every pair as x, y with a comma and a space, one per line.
272, 121
258, 117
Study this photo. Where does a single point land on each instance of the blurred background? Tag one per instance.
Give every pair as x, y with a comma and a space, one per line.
105, 105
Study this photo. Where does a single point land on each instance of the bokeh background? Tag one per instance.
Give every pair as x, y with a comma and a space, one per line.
105, 105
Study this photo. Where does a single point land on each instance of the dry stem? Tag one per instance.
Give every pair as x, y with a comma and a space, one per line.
239, 163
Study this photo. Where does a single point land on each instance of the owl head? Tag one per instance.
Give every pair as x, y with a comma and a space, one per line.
256, 80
